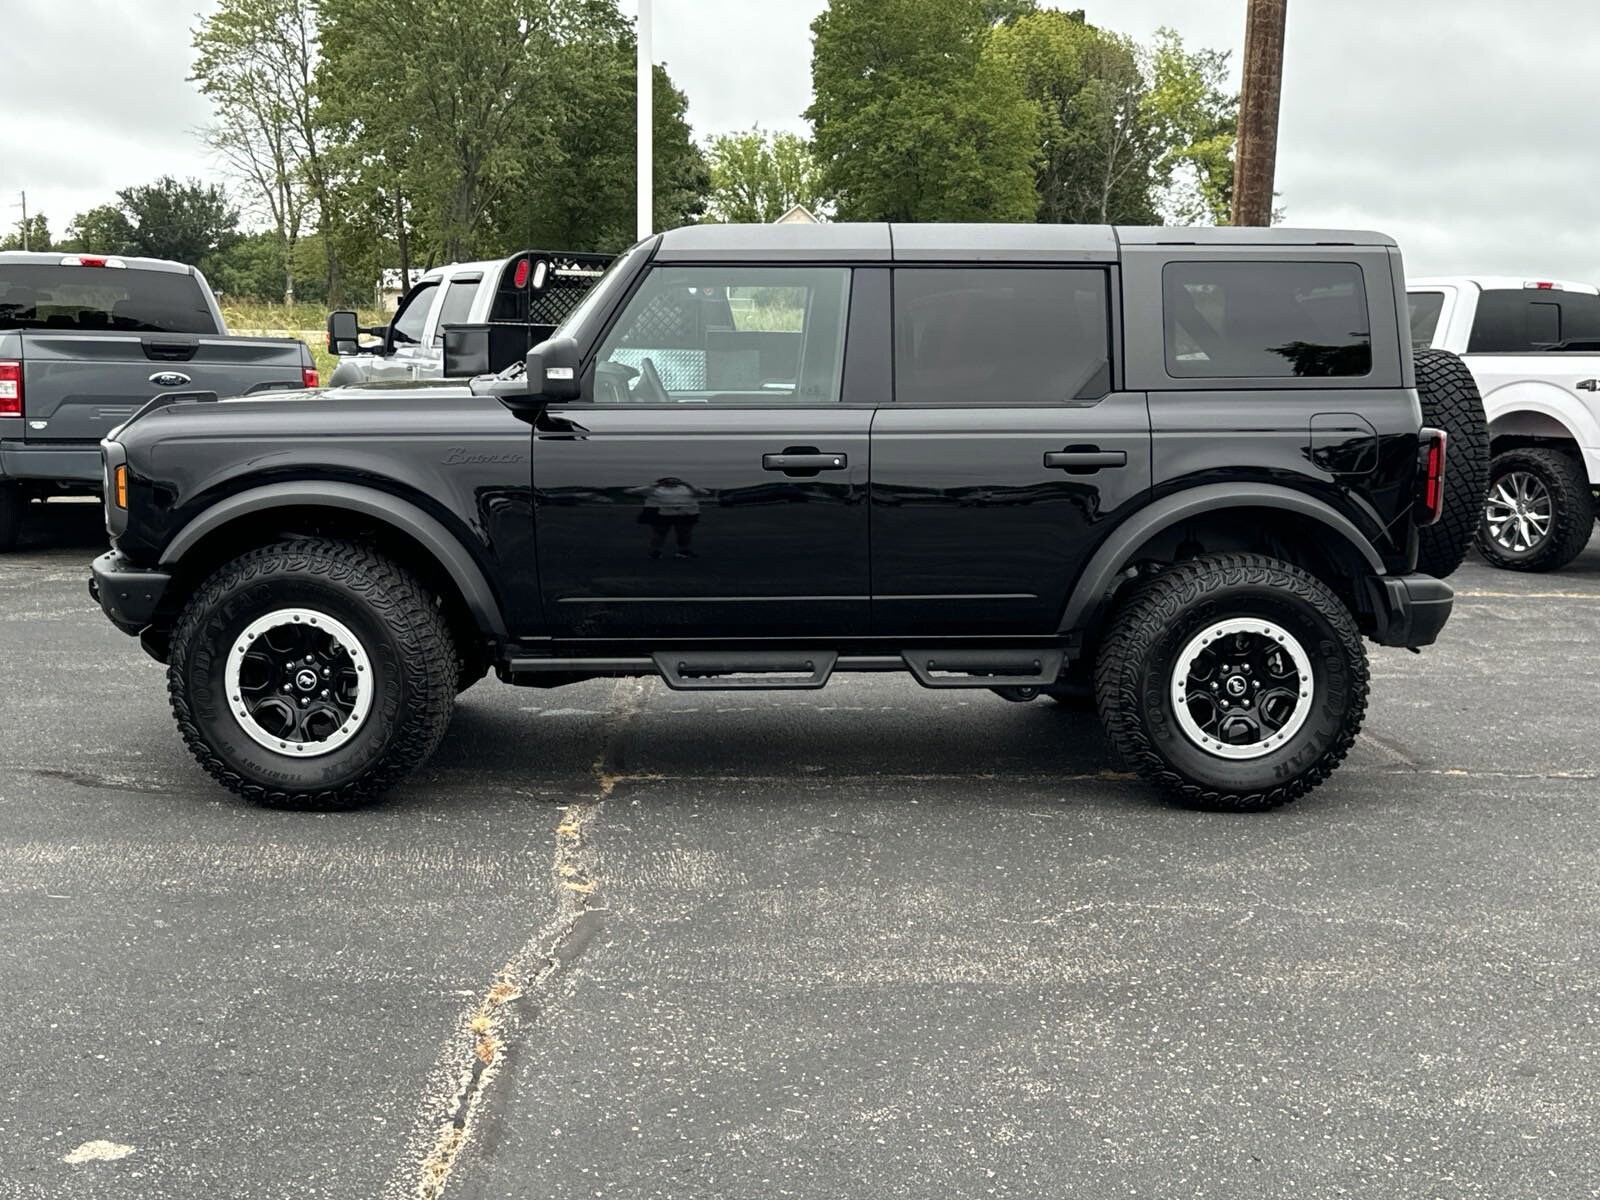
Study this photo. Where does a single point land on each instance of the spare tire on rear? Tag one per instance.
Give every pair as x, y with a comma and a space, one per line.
1451, 402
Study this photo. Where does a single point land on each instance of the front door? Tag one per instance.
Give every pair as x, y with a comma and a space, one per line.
712, 482
1005, 454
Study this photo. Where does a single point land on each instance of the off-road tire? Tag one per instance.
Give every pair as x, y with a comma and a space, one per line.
12, 506
413, 659
1572, 510
1146, 636
1451, 402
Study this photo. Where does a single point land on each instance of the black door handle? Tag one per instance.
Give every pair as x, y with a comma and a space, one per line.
1590, 385
804, 462
1085, 460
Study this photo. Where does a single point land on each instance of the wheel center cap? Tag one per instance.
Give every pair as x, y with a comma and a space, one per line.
1235, 685
305, 679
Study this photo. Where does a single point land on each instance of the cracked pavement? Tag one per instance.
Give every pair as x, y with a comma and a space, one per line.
871, 941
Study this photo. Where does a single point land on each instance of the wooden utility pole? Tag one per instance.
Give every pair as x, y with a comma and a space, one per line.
1256, 157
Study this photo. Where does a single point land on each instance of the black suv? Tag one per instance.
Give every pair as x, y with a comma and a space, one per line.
1182, 472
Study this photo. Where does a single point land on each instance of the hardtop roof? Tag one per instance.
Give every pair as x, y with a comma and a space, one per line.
886, 242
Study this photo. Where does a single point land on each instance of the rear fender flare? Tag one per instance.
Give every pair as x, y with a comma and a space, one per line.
402, 515
1099, 579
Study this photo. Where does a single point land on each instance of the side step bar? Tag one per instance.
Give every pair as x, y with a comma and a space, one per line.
709, 670
984, 668
800, 670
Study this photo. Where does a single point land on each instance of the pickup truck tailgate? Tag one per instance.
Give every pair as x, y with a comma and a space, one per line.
79, 386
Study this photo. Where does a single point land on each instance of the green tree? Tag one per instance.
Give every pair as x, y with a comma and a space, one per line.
1098, 150
255, 60
250, 268
103, 229
758, 176
1196, 119
581, 195
38, 231
913, 121
182, 221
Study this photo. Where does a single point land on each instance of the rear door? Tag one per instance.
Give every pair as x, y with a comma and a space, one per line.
712, 482
1008, 449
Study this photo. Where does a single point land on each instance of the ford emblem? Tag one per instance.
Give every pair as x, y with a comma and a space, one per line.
169, 379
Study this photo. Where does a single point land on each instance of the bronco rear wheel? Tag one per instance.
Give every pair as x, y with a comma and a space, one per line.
311, 674
1233, 682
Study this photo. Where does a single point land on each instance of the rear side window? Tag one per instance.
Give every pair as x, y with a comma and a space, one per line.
457, 306
1524, 320
1265, 320
102, 299
1000, 335
1425, 308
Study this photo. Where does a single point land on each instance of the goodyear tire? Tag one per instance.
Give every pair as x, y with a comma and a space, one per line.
311, 674
11, 507
1540, 510
1450, 401
1233, 682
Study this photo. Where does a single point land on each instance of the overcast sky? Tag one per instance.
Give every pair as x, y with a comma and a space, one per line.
1466, 128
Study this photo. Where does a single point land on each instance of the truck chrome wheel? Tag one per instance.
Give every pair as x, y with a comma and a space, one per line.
1242, 688
299, 682
1518, 512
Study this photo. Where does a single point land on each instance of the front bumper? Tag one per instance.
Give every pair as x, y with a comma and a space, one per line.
128, 595
57, 462
1410, 609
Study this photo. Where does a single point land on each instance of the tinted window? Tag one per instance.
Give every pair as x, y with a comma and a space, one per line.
413, 315
729, 335
102, 299
1580, 317
457, 306
1265, 320
987, 335
1425, 308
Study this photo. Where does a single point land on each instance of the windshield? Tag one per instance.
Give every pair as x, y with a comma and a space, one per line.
102, 299
602, 292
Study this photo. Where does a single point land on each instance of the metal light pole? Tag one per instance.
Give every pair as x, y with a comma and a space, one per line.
1256, 159
24, 221
646, 119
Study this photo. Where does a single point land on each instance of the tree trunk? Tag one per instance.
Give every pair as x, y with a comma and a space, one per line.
403, 241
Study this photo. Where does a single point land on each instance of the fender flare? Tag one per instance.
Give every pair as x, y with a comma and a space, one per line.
1099, 577
401, 515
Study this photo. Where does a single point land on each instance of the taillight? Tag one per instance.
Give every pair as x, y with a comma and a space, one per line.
520, 279
309, 377
1431, 452
92, 260
119, 479
10, 389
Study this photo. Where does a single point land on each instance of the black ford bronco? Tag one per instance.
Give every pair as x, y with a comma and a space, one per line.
1181, 472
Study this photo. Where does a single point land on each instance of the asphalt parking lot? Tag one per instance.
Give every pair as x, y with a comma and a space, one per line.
868, 942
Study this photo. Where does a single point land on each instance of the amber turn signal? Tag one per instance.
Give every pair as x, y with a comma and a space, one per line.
120, 481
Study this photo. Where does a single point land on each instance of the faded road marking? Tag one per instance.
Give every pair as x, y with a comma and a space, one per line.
97, 1151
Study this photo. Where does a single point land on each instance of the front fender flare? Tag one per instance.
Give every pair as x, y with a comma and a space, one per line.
1100, 576
391, 510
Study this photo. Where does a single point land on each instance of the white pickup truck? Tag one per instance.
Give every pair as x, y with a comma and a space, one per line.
466, 318
1533, 345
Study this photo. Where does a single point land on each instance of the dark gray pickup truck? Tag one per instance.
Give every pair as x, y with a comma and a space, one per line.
86, 340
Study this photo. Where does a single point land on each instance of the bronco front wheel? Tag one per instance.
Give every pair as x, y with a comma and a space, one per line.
1233, 682
311, 674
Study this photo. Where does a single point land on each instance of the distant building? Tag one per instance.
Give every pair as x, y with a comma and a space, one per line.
798, 215
391, 287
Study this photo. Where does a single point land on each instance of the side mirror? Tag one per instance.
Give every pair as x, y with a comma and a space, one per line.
550, 376
344, 333
553, 370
